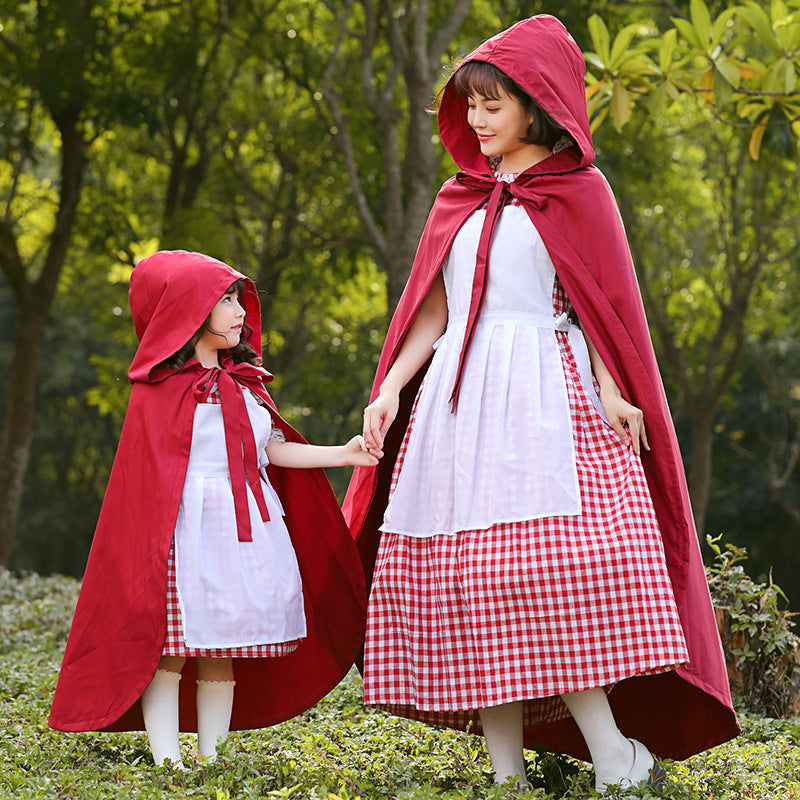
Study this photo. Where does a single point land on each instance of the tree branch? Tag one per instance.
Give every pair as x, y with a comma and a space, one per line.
447, 32
395, 33
73, 164
11, 264
345, 140
421, 62
367, 48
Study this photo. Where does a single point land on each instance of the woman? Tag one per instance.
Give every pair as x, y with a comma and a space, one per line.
538, 575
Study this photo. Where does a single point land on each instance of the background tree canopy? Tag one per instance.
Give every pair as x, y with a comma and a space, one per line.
293, 140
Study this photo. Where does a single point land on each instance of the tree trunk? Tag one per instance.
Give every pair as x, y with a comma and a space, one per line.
18, 424
33, 304
398, 266
419, 170
699, 478
410, 172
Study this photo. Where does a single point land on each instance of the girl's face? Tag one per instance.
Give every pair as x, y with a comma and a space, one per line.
499, 125
223, 329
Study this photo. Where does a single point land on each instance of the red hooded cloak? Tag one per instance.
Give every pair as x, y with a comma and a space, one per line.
118, 630
569, 201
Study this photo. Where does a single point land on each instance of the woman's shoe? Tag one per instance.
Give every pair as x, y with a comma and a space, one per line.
645, 768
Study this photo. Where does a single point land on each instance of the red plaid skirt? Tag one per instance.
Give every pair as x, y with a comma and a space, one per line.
527, 610
175, 645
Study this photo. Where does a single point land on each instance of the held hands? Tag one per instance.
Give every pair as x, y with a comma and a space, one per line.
625, 419
378, 416
357, 454
301, 455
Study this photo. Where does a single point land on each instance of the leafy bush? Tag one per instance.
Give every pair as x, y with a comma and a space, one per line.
761, 650
35, 611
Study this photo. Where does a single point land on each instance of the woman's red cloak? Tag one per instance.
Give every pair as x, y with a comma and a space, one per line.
118, 630
678, 713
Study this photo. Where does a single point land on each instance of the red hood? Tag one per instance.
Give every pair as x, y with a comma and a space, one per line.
552, 74
172, 292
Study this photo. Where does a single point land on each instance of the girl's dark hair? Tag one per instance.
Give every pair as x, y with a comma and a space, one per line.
484, 79
241, 352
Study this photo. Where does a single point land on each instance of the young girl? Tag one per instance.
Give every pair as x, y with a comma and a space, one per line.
538, 576
192, 572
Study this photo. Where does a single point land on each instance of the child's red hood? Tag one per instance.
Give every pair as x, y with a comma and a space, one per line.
172, 293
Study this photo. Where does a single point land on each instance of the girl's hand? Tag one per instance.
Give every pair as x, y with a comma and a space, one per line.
378, 416
357, 454
625, 419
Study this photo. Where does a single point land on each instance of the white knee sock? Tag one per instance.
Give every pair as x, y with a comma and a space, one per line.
160, 711
214, 704
502, 730
612, 754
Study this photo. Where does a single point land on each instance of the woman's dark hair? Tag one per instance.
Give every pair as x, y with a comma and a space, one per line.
241, 352
484, 79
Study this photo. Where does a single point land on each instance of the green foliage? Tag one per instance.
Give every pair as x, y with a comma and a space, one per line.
337, 750
711, 246
35, 613
762, 763
713, 235
743, 62
762, 650
324, 376
754, 489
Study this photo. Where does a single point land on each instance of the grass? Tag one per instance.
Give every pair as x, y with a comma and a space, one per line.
337, 750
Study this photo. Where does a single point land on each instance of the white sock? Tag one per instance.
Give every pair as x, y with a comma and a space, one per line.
214, 704
160, 712
612, 754
502, 730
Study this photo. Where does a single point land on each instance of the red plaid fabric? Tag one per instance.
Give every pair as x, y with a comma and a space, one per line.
527, 610
174, 644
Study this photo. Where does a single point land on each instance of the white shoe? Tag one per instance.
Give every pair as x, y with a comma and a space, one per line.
645, 768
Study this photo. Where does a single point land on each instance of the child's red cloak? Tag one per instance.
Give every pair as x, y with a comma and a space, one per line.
569, 201
118, 630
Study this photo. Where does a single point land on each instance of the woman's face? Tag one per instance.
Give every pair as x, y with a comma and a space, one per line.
499, 124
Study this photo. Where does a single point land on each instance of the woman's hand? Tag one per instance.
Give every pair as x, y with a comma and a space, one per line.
428, 325
378, 416
625, 419
357, 454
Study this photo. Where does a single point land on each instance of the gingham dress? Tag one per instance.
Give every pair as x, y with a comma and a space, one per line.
524, 609
268, 560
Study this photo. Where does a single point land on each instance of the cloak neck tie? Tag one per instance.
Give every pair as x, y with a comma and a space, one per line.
498, 190
240, 443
